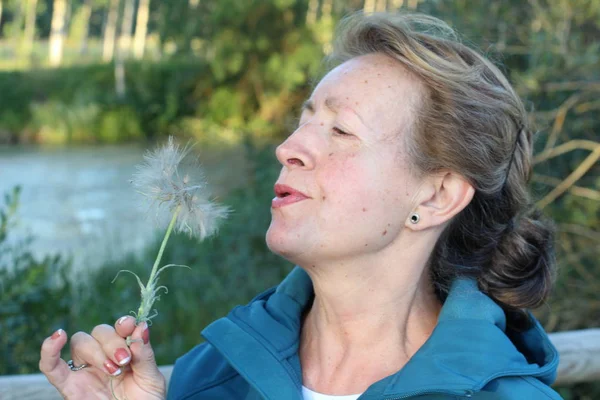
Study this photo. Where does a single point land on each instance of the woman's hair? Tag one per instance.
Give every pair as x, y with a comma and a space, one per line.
472, 122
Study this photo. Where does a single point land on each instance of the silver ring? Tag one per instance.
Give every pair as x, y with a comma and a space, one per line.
73, 367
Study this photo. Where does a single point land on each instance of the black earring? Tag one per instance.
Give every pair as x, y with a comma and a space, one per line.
414, 218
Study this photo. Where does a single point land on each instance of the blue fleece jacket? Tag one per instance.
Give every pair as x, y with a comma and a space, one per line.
253, 353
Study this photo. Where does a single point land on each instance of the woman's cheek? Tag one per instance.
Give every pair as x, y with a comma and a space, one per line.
344, 182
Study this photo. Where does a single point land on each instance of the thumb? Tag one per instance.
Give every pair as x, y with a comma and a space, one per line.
143, 362
55, 369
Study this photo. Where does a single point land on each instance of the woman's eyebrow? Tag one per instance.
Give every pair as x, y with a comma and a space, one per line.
308, 105
334, 105
331, 103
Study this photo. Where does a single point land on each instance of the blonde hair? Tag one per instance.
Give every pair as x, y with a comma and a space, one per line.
472, 122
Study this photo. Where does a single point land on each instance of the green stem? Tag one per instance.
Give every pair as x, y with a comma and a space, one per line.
162, 249
164, 244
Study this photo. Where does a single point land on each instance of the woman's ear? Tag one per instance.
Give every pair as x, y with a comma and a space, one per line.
449, 193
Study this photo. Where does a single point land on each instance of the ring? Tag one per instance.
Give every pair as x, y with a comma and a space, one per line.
73, 367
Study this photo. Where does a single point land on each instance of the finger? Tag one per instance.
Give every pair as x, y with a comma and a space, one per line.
86, 350
125, 326
114, 346
51, 365
143, 362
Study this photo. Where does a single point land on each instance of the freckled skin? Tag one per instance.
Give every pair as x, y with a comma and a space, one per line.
361, 167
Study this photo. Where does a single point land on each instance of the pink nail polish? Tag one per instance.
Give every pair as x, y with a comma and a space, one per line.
122, 356
57, 334
146, 334
112, 368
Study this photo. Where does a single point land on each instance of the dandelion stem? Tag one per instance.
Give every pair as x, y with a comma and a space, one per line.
150, 283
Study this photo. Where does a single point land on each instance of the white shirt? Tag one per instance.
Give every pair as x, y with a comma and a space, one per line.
308, 394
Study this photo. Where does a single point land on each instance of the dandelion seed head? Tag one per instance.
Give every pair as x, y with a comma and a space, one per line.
166, 188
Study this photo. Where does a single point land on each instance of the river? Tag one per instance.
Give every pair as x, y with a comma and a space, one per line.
78, 201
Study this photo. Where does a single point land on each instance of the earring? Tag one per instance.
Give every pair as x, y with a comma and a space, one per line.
414, 218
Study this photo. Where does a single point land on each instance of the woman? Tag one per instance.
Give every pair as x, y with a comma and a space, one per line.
403, 201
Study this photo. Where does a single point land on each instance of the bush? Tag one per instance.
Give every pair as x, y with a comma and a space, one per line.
36, 297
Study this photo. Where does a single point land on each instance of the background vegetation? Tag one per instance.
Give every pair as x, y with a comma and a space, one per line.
233, 73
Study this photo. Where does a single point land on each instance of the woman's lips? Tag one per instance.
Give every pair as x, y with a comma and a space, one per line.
289, 199
286, 195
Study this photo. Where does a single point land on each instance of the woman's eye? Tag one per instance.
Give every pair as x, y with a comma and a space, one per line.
338, 131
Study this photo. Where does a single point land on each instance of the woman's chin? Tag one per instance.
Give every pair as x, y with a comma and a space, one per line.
284, 245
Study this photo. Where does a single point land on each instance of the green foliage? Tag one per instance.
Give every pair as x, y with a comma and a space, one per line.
35, 296
121, 124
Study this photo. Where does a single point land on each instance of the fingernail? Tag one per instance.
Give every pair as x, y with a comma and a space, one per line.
57, 334
122, 356
112, 368
146, 333
120, 321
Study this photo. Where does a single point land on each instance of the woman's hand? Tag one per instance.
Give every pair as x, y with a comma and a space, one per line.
132, 369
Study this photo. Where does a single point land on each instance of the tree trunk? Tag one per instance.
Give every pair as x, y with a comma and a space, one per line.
126, 28
326, 8
311, 15
110, 31
29, 34
141, 29
0, 16
369, 6
57, 32
381, 6
397, 4
87, 14
412, 4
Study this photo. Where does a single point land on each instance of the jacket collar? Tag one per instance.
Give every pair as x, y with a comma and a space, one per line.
468, 348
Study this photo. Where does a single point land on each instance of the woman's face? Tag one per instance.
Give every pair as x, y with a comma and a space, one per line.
348, 186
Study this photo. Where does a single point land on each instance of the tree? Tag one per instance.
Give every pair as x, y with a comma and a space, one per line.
126, 28
110, 31
0, 16
57, 32
396, 4
85, 14
29, 34
311, 15
141, 29
124, 45
381, 6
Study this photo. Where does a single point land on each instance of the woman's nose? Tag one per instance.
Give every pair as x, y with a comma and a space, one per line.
293, 153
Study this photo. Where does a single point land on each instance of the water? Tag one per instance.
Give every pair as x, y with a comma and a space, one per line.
78, 201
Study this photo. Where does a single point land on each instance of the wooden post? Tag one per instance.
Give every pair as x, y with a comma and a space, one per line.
579, 355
